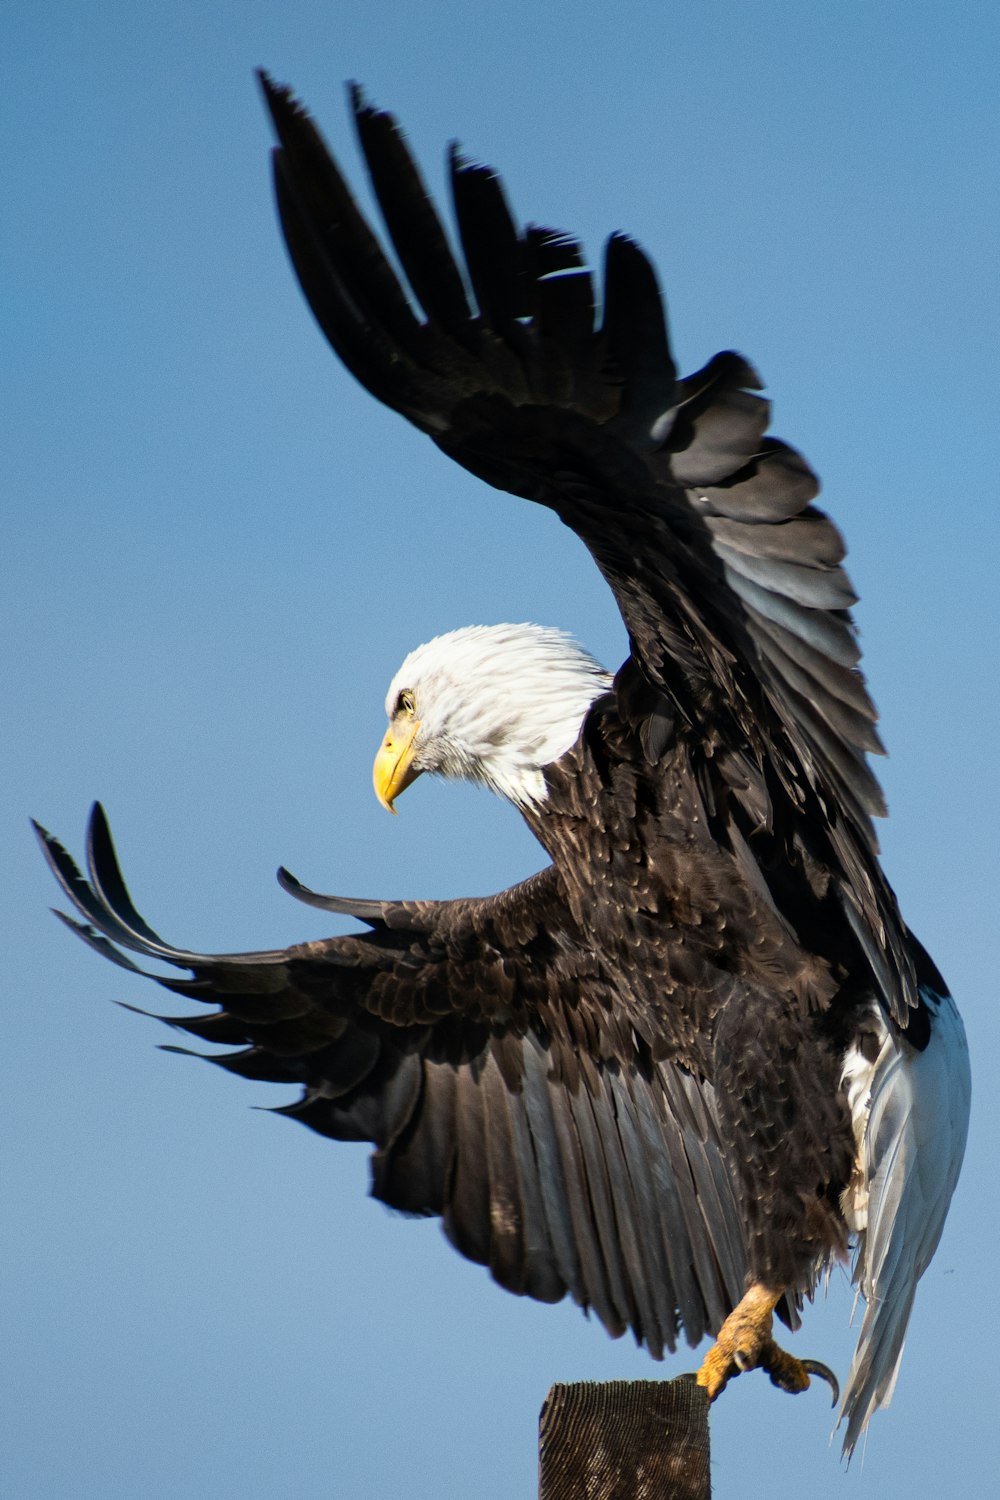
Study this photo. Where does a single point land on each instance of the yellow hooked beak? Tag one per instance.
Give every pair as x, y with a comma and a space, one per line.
393, 769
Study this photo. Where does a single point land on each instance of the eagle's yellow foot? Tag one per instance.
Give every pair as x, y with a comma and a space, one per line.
740, 1341
745, 1343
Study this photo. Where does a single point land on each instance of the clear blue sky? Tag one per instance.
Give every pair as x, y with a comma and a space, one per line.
217, 551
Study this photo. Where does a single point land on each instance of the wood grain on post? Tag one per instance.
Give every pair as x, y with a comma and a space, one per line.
625, 1440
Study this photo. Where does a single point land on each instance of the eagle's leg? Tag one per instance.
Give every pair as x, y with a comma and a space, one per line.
745, 1343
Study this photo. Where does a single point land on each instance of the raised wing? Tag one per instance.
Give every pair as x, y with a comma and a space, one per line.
729, 580
463, 1040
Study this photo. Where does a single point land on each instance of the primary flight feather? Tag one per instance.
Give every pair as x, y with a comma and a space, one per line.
699, 1056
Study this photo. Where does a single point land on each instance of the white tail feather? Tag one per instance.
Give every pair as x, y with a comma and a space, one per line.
911, 1122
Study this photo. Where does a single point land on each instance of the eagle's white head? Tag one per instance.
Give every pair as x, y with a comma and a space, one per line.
492, 704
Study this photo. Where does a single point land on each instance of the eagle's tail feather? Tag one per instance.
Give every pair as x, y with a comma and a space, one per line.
916, 1112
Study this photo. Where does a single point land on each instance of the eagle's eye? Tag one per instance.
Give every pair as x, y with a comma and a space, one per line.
405, 704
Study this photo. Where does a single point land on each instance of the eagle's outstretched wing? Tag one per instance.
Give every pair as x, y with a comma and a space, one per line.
463, 1039
728, 579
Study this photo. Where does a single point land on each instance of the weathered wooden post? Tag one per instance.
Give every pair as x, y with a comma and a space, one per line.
625, 1440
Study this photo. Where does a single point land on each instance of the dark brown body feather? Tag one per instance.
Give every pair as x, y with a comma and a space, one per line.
620, 1079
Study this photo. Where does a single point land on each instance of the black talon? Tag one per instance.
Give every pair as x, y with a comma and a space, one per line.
814, 1367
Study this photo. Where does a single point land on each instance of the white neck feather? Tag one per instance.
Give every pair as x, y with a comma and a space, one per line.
498, 703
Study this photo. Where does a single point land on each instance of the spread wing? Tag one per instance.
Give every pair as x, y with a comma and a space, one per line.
729, 580
467, 1041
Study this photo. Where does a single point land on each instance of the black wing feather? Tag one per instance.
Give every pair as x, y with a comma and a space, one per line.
417, 234
493, 249
636, 345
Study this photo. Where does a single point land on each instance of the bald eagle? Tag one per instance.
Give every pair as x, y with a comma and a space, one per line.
699, 1056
